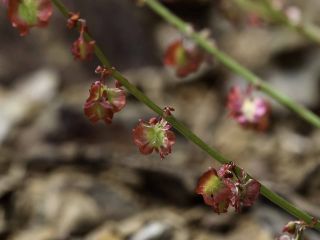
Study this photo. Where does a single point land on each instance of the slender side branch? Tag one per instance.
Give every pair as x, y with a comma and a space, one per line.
266, 11
276, 199
233, 65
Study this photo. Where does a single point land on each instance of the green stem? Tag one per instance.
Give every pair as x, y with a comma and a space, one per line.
190, 135
232, 64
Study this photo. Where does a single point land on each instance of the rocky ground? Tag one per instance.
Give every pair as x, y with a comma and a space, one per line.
63, 178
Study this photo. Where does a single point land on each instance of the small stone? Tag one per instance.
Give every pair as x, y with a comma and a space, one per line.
153, 231
33, 92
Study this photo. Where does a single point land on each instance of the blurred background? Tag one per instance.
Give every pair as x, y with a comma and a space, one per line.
64, 178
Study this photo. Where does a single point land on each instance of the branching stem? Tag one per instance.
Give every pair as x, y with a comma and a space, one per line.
275, 198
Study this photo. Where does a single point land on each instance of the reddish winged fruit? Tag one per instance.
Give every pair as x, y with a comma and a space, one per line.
103, 102
154, 135
117, 98
97, 106
251, 190
223, 188
81, 49
214, 191
25, 14
248, 110
294, 230
184, 60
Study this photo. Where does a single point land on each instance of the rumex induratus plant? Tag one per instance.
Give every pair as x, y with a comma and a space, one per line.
229, 186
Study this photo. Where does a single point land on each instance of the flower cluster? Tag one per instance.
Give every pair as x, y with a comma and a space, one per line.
248, 110
81, 48
104, 101
294, 230
182, 58
228, 186
25, 14
154, 135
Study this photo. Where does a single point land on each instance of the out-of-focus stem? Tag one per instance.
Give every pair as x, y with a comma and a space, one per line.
275, 198
267, 11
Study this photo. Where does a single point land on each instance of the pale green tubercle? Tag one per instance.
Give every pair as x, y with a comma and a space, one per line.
28, 11
212, 186
181, 56
156, 135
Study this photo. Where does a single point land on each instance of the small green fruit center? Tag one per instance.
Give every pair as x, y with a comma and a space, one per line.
156, 135
212, 186
28, 11
180, 56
